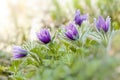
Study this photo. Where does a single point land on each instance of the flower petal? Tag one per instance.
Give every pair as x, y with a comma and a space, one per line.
108, 22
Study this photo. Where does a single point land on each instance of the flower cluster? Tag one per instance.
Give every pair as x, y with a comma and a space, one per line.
71, 32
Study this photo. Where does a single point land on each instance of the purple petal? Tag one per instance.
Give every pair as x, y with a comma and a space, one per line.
78, 20
100, 23
77, 12
17, 49
69, 34
84, 17
17, 55
108, 22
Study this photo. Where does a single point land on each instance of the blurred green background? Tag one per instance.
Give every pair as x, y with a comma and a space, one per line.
20, 19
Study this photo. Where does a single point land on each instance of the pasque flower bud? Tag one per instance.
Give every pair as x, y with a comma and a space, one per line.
71, 32
79, 18
103, 24
18, 52
44, 36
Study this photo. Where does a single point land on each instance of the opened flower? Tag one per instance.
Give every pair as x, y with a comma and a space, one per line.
71, 32
18, 52
79, 18
44, 36
103, 24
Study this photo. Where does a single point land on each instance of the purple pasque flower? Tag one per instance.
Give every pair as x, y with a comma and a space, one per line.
18, 52
79, 18
71, 32
103, 24
44, 36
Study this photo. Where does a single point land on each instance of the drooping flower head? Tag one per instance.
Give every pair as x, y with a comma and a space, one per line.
103, 24
71, 32
18, 52
44, 36
80, 18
